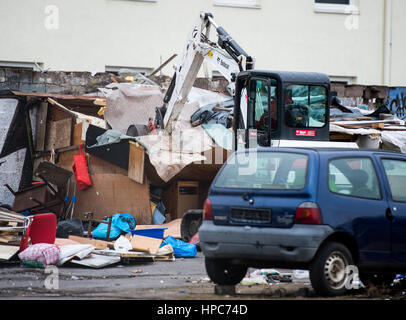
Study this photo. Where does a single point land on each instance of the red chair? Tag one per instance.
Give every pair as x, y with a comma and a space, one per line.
41, 229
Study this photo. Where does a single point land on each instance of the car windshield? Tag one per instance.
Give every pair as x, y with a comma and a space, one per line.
264, 170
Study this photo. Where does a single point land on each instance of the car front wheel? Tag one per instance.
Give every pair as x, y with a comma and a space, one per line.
329, 272
222, 272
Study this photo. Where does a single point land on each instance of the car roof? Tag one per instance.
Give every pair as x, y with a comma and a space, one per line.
290, 76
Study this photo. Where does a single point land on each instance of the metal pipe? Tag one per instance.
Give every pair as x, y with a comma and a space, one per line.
387, 57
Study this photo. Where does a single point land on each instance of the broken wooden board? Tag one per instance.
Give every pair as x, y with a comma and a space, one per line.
41, 126
136, 162
10, 238
128, 257
77, 134
98, 244
59, 134
367, 124
145, 244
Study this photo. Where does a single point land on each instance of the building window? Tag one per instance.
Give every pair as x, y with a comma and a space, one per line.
255, 4
336, 6
348, 80
22, 65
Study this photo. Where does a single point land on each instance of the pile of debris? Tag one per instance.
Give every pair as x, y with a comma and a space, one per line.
90, 160
370, 129
97, 160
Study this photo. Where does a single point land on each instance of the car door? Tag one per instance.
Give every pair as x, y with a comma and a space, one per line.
394, 168
352, 202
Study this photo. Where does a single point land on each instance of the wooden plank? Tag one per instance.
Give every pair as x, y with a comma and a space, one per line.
378, 125
98, 244
77, 134
61, 107
136, 162
367, 123
59, 134
41, 126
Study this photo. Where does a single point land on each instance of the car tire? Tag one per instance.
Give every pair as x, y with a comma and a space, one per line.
221, 272
328, 269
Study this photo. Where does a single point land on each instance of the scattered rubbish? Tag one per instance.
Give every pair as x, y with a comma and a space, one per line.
121, 224
39, 255
66, 228
301, 274
7, 252
265, 276
69, 252
250, 281
181, 249
157, 233
136, 271
81, 171
97, 261
100, 162
122, 244
165, 253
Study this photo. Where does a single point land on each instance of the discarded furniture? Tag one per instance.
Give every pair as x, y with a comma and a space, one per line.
43, 196
40, 228
182, 196
89, 217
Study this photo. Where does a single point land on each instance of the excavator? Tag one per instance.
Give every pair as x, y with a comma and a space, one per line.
271, 108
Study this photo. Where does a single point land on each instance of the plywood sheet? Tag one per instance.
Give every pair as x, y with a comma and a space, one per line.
115, 193
59, 134
136, 162
41, 126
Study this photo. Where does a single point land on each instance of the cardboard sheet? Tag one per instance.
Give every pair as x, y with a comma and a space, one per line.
145, 244
115, 193
6, 252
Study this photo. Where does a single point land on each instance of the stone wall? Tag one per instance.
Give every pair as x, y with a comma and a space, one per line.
81, 83
78, 83
54, 81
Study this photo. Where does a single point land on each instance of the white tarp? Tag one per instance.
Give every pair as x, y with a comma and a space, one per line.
390, 139
395, 138
170, 154
71, 251
130, 104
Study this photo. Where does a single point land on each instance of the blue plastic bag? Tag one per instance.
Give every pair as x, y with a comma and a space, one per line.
181, 249
122, 223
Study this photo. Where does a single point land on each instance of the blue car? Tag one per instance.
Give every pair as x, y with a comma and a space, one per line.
339, 213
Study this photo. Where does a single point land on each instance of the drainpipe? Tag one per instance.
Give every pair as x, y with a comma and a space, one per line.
387, 57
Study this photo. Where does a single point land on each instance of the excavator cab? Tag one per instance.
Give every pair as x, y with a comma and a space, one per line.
274, 106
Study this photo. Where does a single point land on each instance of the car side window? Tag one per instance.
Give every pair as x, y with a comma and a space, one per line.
396, 173
354, 177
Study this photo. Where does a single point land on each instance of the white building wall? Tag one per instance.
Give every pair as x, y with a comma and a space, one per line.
282, 35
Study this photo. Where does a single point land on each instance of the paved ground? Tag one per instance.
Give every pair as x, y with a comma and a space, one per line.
182, 279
